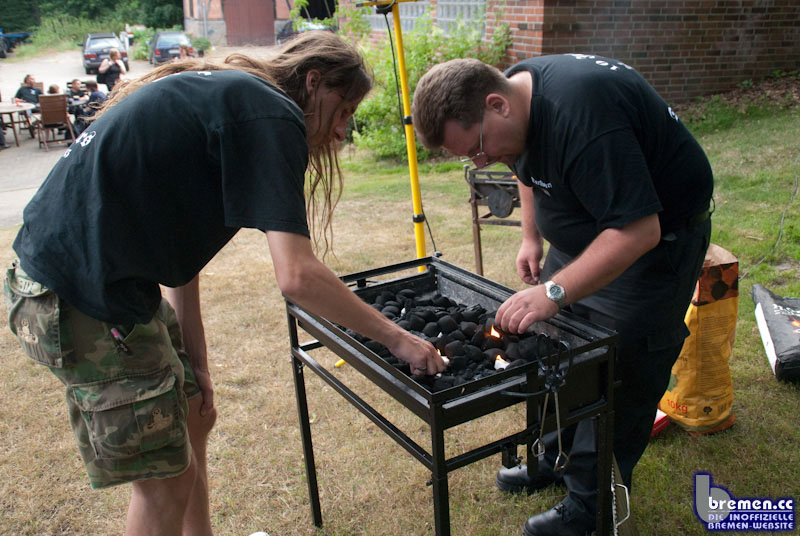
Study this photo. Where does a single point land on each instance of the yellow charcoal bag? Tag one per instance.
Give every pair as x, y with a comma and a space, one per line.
699, 397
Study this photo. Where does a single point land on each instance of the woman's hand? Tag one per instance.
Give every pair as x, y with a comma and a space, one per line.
421, 356
206, 388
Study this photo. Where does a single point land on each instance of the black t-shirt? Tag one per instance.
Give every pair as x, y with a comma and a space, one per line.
604, 150
28, 94
112, 74
152, 190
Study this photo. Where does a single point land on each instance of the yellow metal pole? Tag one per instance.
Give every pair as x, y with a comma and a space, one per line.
411, 146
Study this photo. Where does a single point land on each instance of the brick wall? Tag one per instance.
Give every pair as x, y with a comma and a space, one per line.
685, 48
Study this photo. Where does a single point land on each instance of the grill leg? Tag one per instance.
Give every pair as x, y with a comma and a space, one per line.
476, 234
308, 447
441, 497
605, 450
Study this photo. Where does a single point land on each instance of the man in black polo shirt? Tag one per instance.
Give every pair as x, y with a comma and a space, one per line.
28, 92
74, 91
620, 189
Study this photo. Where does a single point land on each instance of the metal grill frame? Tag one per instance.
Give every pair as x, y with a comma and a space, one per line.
592, 362
481, 184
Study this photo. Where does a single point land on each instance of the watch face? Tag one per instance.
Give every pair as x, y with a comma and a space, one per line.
555, 292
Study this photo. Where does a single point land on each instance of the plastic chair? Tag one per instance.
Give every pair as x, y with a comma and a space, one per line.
53, 116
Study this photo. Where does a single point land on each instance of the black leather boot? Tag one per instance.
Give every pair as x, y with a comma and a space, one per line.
564, 519
516, 480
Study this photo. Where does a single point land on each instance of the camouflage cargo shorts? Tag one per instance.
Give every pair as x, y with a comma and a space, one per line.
126, 386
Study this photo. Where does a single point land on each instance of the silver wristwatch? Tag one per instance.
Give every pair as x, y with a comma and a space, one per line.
555, 292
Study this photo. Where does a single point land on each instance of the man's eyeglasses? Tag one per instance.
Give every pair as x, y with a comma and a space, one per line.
479, 159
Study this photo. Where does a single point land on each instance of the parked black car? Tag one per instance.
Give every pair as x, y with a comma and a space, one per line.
96, 47
166, 45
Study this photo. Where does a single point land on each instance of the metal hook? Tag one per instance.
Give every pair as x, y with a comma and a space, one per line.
538, 448
627, 506
563, 458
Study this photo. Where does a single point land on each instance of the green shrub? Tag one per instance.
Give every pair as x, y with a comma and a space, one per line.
141, 50
201, 44
379, 118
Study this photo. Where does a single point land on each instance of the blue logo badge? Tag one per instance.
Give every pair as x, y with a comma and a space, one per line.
720, 511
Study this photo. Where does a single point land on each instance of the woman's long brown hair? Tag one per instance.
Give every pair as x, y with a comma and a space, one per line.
341, 67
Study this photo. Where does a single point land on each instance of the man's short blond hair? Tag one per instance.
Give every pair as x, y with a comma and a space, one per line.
455, 89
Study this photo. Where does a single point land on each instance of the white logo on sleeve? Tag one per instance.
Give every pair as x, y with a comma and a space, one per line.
672, 114
83, 140
86, 138
613, 65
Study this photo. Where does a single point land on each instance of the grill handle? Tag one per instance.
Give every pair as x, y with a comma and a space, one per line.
515, 394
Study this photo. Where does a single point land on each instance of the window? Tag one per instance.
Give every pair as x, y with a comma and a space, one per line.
409, 13
447, 13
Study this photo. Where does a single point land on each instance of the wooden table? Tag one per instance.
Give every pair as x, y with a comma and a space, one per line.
21, 109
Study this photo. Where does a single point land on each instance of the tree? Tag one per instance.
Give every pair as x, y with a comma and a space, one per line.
161, 13
83, 9
19, 15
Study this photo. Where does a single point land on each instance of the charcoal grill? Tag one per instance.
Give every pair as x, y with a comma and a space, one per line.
587, 392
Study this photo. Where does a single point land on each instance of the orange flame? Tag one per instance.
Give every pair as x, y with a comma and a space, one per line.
500, 363
795, 323
494, 333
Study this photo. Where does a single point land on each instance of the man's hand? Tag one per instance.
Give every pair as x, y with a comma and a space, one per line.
523, 309
529, 261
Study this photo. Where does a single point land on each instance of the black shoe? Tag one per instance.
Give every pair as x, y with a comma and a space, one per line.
561, 520
516, 480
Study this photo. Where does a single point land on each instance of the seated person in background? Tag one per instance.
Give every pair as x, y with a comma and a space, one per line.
75, 91
53, 89
96, 96
28, 92
77, 97
183, 53
84, 113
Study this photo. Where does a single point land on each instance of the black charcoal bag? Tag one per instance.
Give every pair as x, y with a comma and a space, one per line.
779, 324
